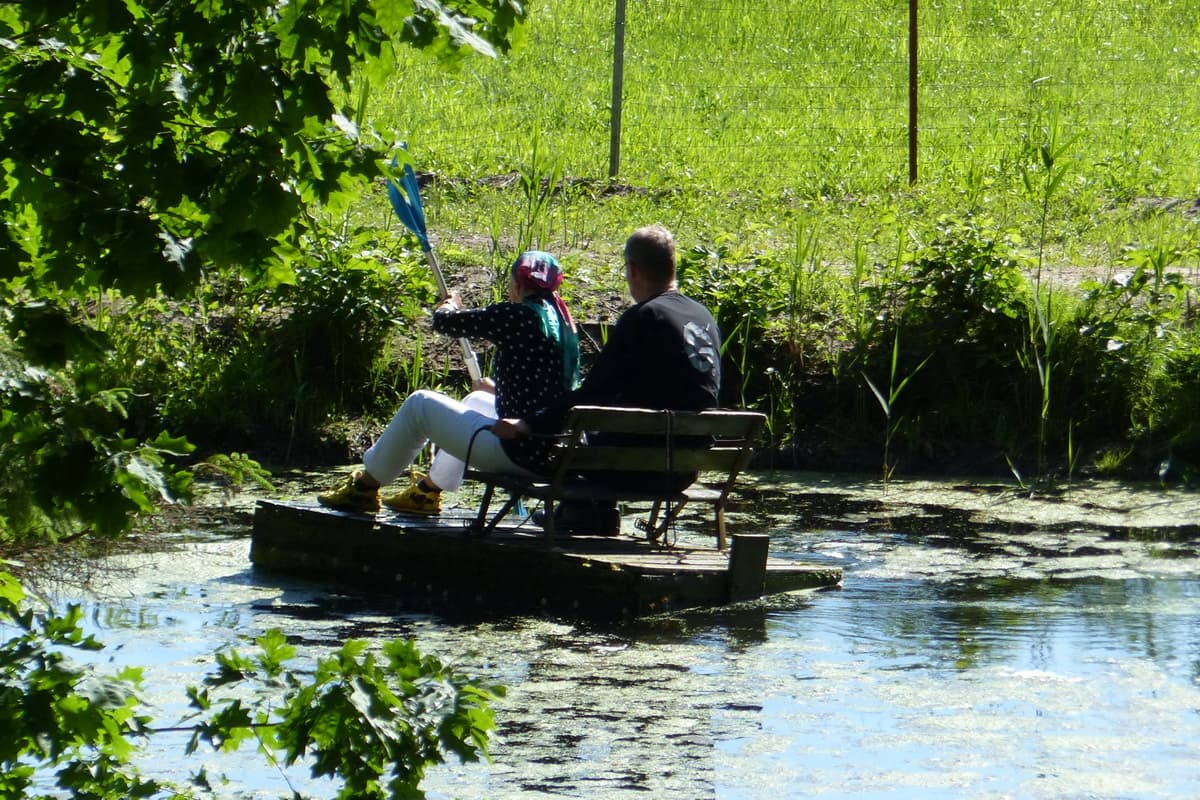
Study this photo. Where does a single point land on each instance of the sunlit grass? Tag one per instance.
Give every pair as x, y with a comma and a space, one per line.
743, 118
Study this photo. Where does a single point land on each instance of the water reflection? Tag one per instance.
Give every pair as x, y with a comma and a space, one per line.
957, 660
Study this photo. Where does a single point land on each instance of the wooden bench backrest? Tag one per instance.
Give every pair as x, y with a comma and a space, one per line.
664, 442
728, 438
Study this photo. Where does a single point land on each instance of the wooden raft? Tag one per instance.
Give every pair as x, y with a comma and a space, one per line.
438, 564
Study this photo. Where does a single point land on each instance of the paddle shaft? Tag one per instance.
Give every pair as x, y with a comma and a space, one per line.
467, 351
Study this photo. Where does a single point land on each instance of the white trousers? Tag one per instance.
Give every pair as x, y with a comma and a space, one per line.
451, 425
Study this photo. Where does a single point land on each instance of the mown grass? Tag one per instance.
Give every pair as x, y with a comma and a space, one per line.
741, 118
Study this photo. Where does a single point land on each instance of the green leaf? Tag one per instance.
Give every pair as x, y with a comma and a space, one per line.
136, 474
49, 336
883, 403
105, 693
12, 594
172, 445
275, 651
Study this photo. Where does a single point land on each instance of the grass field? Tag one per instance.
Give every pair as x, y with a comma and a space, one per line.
747, 123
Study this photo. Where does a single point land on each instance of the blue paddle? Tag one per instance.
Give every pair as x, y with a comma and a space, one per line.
406, 202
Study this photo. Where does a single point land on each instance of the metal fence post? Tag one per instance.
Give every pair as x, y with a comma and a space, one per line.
618, 85
912, 92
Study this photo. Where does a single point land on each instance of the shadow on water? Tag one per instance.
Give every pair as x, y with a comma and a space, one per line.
965, 655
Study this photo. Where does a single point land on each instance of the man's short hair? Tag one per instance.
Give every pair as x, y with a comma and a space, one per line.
652, 250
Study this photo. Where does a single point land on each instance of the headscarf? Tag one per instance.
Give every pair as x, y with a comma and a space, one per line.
539, 273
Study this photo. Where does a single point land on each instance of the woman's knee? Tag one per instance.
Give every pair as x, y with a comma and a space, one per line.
483, 402
420, 397
416, 403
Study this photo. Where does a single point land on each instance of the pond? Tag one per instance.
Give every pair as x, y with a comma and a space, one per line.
973, 651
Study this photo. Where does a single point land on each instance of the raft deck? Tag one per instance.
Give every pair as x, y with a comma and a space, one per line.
440, 564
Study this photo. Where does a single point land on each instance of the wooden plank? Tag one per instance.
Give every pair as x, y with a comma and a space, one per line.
654, 458
719, 423
590, 490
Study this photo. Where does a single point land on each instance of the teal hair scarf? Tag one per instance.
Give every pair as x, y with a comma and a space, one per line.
562, 332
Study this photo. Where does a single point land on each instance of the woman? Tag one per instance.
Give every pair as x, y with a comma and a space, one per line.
536, 361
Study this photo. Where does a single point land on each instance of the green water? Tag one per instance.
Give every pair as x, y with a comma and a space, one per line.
981, 662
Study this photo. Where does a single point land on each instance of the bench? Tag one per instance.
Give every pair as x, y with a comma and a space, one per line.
665, 442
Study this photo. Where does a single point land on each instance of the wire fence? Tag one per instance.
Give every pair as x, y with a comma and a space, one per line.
818, 97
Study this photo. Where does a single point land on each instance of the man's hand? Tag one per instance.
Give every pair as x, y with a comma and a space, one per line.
511, 428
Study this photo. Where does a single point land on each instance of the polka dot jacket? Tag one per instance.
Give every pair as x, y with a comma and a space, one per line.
527, 366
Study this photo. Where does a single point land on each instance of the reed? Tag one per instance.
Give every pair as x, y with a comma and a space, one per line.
1042, 180
896, 384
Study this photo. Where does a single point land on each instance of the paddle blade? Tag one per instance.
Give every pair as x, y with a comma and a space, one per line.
405, 198
413, 192
404, 211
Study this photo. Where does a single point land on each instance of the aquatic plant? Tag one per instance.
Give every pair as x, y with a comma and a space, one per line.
1042, 177
896, 384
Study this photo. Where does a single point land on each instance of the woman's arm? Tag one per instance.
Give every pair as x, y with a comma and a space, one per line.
451, 319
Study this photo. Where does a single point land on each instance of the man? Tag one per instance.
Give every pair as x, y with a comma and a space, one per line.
663, 353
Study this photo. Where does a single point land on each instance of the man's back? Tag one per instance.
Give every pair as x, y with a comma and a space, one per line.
663, 353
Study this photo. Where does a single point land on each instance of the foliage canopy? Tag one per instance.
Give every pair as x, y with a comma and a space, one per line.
144, 142
145, 145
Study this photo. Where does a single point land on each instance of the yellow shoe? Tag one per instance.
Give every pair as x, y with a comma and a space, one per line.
347, 496
415, 500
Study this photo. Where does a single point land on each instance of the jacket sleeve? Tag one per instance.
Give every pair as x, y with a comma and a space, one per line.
474, 323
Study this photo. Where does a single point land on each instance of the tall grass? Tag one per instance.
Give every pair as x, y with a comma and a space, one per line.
1042, 181
896, 384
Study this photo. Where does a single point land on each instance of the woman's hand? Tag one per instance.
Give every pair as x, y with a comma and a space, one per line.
453, 302
485, 385
511, 428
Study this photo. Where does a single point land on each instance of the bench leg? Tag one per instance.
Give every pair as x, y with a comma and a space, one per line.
481, 517
508, 506
482, 527
653, 526
655, 529
720, 526
548, 525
